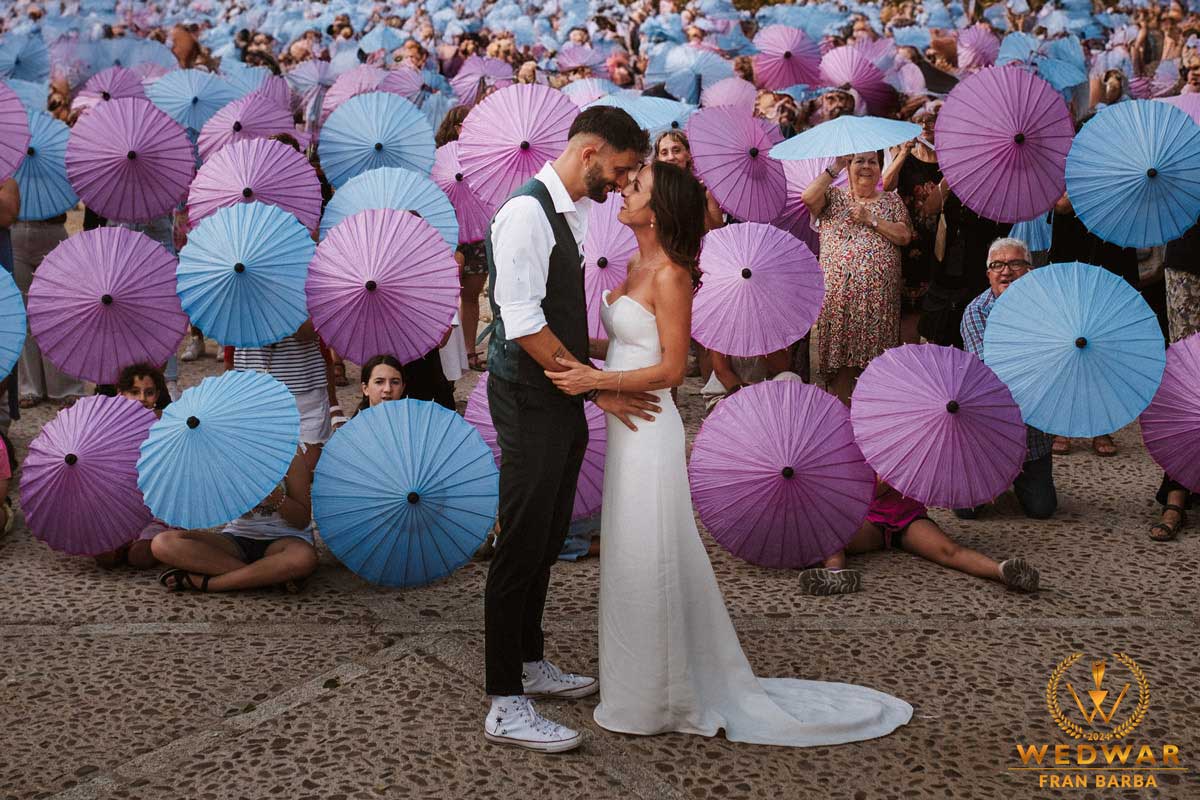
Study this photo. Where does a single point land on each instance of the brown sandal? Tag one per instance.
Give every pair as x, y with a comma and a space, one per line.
1169, 532
1061, 446
1104, 446
476, 362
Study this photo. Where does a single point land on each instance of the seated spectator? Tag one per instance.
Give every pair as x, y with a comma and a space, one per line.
731, 373
269, 545
144, 384
895, 521
1008, 260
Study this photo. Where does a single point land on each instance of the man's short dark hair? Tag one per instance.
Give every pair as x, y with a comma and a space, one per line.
615, 126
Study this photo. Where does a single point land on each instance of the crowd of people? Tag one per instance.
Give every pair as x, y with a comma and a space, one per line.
903, 259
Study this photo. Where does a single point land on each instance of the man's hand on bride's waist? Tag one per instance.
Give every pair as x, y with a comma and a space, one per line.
625, 406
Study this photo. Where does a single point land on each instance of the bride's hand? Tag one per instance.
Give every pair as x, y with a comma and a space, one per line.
576, 379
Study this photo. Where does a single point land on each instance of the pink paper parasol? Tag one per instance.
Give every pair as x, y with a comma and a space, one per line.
79, 487
351, 83
938, 425
606, 252
109, 84
104, 299
14, 132
128, 161
978, 47
761, 290
573, 56
776, 476
849, 65
786, 56
473, 219
491, 71
1171, 423
383, 281
794, 218
508, 137
740, 94
257, 169
1002, 142
247, 118
589, 491
729, 148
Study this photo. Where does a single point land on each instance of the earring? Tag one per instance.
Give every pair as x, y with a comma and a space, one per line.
651, 223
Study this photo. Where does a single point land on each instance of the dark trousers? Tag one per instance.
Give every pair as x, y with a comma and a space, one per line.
1034, 488
542, 436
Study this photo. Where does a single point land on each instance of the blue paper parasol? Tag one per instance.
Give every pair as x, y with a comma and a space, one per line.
687, 71
374, 130
655, 115
393, 187
219, 449
190, 96
242, 272
1078, 347
1133, 173
845, 136
405, 493
42, 177
12, 323
24, 56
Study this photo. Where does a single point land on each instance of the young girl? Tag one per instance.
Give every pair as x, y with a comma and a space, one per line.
382, 380
896, 521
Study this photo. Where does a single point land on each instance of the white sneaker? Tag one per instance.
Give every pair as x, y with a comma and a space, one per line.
194, 349
514, 721
543, 679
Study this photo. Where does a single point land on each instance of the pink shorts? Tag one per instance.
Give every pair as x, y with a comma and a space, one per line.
892, 513
153, 529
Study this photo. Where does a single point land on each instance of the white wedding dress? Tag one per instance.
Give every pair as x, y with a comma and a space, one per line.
669, 656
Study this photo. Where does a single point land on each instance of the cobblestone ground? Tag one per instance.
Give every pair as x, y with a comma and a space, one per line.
112, 688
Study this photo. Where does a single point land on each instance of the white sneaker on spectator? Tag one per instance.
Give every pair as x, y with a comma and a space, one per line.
194, 349
173, 390
513, 720
543, 679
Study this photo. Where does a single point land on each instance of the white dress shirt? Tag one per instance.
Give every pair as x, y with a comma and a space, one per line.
522, 240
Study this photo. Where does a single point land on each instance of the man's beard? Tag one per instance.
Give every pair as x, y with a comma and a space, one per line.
595, 185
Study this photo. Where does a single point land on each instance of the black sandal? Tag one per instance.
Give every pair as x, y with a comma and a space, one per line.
1169, 532
183, 580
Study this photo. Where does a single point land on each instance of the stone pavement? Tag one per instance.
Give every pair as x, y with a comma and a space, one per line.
112, 688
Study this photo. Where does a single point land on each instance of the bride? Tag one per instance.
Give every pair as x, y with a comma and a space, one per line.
669, 656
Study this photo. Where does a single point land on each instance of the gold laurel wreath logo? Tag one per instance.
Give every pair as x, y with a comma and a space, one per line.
1074, 730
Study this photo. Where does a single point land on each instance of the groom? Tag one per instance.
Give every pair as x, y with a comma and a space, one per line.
535, 269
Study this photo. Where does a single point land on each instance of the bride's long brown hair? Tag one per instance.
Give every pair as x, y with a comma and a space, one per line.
678, 203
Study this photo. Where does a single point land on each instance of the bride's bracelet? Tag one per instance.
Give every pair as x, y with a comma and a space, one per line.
619, 376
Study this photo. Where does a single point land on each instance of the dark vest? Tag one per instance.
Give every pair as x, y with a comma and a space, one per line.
564, 304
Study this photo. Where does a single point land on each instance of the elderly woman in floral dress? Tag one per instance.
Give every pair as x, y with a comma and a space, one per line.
862, 231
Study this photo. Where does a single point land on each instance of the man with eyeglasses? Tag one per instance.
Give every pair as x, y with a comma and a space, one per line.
1008, 260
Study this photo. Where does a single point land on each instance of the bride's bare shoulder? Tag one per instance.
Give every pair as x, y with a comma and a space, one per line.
673, 277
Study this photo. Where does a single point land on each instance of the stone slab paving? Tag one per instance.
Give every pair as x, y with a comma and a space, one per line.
112, 688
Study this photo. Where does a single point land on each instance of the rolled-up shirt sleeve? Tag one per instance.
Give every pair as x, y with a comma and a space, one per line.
521, 243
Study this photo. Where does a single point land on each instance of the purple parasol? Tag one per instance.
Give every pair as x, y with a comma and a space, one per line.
351, 83
383, 281
1171, 423
776, 476
104, 299
736, 92
1002, 142
938, 425
128, 161
251, 117
849, 65
978, 47
786, 56
794, 218
573, 56
473, 219
761, 290
508, 137
729, 148
606, 252
109, 84
14, 132
589, 491
79, 485
257, 169
476, 69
